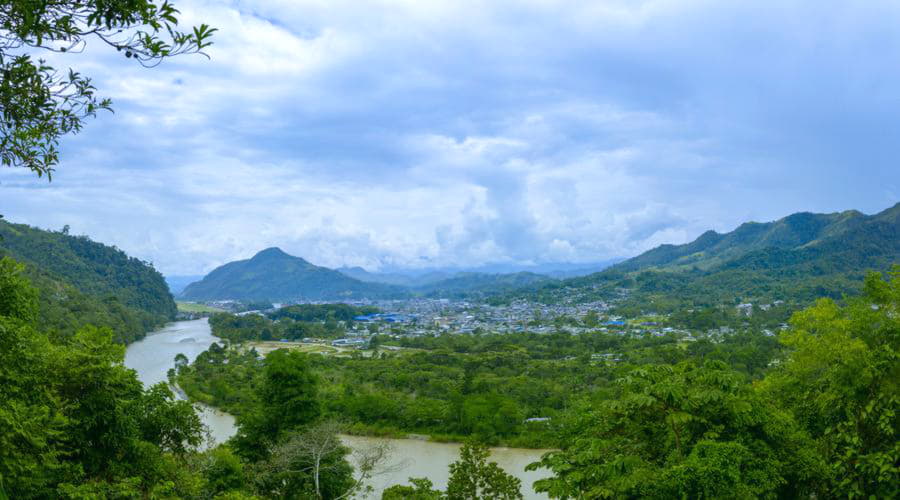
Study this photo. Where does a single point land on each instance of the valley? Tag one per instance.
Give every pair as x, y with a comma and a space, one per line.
449, 250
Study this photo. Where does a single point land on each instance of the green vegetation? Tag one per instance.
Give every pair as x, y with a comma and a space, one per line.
821, 424
797, 259
274, 275
322, 312
289, 441
473, 285
810, 413
82, 282
74, 422
456, 386
193, 307
291, 323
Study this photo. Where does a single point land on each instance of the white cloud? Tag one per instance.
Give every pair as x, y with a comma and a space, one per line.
395, 133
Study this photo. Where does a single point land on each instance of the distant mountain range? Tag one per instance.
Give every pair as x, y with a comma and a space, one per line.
801, 257
274, 275
427, 276
465, 285
396, 278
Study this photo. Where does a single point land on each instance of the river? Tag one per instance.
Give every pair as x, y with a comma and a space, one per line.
153, 356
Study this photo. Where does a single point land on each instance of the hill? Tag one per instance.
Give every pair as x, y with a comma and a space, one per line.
85, 282
421, 278
274, 275
797, 258
451, 284
396, 278
469, 285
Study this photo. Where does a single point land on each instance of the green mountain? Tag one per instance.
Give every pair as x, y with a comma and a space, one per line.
274, 275
449, 284
471, 285
84, 282
796, 258
395, 278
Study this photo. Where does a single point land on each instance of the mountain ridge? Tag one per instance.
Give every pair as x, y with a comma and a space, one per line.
267, 276
801, 256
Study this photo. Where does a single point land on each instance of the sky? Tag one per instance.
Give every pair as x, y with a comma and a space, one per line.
414, 134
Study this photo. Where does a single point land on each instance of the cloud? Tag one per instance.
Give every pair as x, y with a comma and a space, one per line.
401, 133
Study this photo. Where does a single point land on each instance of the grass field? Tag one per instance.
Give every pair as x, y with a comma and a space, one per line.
193, 307
267, 347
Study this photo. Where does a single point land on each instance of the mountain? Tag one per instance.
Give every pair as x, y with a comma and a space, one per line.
576, 270
85, 282
177, 283
474, 284
798, 257
274, 275
711, 248
395, 278
421, 278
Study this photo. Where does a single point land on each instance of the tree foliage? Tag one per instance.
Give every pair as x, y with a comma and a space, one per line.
823, 423
74, 422
472, 477
288, 400
841, 381
40, 103
681, 431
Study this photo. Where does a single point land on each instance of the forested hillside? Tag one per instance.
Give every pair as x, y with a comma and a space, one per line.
798, 258
83, 282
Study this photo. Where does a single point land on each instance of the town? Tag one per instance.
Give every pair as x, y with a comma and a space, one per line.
426, 317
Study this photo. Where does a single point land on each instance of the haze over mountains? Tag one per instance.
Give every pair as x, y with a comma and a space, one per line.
829, 251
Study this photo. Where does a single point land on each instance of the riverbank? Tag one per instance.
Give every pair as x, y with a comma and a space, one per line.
414, 456
374, 431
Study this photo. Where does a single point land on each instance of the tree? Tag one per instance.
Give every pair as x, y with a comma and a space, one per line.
591, 319
290, 390
31, 424
223, 472
683, 431
181, 361
169, 422
18, 299
313, 463
38, 103
288, 400
472, 477
74, 422
421, 489
842, 381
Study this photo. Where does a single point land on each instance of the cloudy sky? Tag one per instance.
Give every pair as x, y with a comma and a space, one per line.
439, 133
